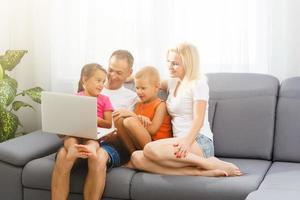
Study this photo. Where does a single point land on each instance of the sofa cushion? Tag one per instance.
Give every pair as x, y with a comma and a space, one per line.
241, 85
36, 194
282, 176
243, 124
153, 186
287, 134
37, 175
274, 195
281, 182
16, 153
243, 128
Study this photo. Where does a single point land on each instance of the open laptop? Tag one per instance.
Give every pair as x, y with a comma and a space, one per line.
72, 115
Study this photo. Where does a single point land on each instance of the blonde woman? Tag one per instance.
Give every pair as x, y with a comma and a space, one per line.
191, 150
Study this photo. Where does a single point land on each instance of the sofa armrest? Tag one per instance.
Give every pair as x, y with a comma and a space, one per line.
21, 150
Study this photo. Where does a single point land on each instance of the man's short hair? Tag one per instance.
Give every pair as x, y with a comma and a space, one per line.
123, 54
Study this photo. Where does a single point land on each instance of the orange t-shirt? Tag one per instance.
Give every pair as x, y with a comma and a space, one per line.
148, 110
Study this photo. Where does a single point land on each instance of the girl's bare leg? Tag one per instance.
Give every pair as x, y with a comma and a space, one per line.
60, 182
95, 179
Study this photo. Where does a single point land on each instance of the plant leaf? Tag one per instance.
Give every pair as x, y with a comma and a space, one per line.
1, 72
8, 124
8, 91
12, 81
34, 94
16, 105
11, 58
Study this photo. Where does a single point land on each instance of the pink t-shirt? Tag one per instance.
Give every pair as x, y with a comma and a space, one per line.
103, 104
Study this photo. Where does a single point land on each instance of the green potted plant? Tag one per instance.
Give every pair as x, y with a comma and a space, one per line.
9, 122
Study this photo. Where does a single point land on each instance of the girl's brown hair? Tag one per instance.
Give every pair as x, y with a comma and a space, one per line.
87, 72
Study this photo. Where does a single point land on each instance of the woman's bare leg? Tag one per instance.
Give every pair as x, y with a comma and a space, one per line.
139, 161
162, 152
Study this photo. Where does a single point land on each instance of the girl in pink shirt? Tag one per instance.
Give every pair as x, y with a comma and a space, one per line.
91, 83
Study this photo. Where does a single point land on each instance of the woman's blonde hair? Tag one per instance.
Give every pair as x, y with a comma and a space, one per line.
190, 59
87, 72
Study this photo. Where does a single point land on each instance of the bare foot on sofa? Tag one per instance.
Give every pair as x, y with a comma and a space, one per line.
86, 151
230, 168
212, 173
73, 153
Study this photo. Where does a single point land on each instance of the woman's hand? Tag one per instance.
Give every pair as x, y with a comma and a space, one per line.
122, 113
182, 147
145, 121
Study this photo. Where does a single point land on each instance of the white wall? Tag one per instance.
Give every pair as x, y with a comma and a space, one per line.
25, 24
286, 37
21, 29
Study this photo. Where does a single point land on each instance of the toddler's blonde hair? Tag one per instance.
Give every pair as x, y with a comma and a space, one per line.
148, 73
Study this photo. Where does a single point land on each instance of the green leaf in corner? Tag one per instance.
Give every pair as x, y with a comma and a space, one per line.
9, 124
8, 91
16, 105
34, 94
1, 73
11, 58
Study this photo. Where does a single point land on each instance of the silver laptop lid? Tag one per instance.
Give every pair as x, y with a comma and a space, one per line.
69, 114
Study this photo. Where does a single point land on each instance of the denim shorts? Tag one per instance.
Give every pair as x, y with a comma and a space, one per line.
114, 159
206, 145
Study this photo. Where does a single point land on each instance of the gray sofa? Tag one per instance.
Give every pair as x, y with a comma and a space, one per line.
256, 125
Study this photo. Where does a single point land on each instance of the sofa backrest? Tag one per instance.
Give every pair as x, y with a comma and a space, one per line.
287, 132
241, 113
244, 116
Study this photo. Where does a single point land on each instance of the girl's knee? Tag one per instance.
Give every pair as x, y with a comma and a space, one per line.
70, 139
92, 142
99, 162
61, 154
62, 163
